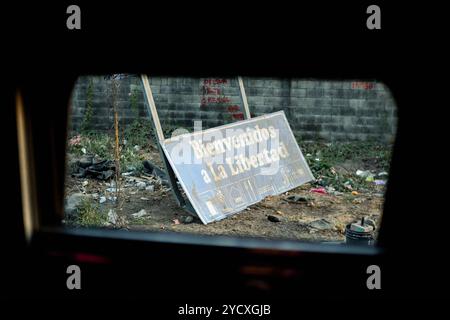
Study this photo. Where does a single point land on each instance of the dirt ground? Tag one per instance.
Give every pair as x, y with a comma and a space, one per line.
322, 217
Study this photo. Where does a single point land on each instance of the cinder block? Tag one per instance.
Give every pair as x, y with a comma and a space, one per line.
281, 92
255, 100
298, 93
314, 93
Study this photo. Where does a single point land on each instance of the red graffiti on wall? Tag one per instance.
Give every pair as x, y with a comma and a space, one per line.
209, 100
238, 116
212, 93
214, 81
233, 108
363, 85
210, 90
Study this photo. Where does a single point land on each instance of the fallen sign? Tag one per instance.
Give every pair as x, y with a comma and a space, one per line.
225, 169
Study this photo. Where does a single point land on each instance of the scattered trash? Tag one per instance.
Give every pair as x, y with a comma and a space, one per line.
153, 170
88, 168
141, 185
187, 219
83, 150
321, 224
130, 169
72, 203
112, 216
363, 174
86, 161
140, 214
370, 222
316, 212
320, 190
273, 218
295, 198
347, 184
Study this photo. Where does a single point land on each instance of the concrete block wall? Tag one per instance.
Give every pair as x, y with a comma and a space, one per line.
316, 110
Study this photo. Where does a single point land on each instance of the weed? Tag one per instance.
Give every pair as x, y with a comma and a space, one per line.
139, 133
99, 144
322, 159
139, 221
87, 118
90, 214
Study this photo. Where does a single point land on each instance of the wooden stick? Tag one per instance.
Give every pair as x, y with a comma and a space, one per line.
244, 98
152, 106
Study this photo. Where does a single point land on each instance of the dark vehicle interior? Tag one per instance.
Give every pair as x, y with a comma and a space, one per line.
37, 249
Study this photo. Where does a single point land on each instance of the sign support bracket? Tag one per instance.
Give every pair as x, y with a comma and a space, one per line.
244, 98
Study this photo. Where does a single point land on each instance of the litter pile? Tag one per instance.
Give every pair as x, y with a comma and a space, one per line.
370, 177
346, 190
90, 167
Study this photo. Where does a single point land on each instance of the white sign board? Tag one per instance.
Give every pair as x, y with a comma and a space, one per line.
225, 169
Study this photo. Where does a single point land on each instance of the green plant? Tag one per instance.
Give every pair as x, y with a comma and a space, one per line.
87, 118
322, 159
90, 214
139, 132
134, 101
99, 144
130, 158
